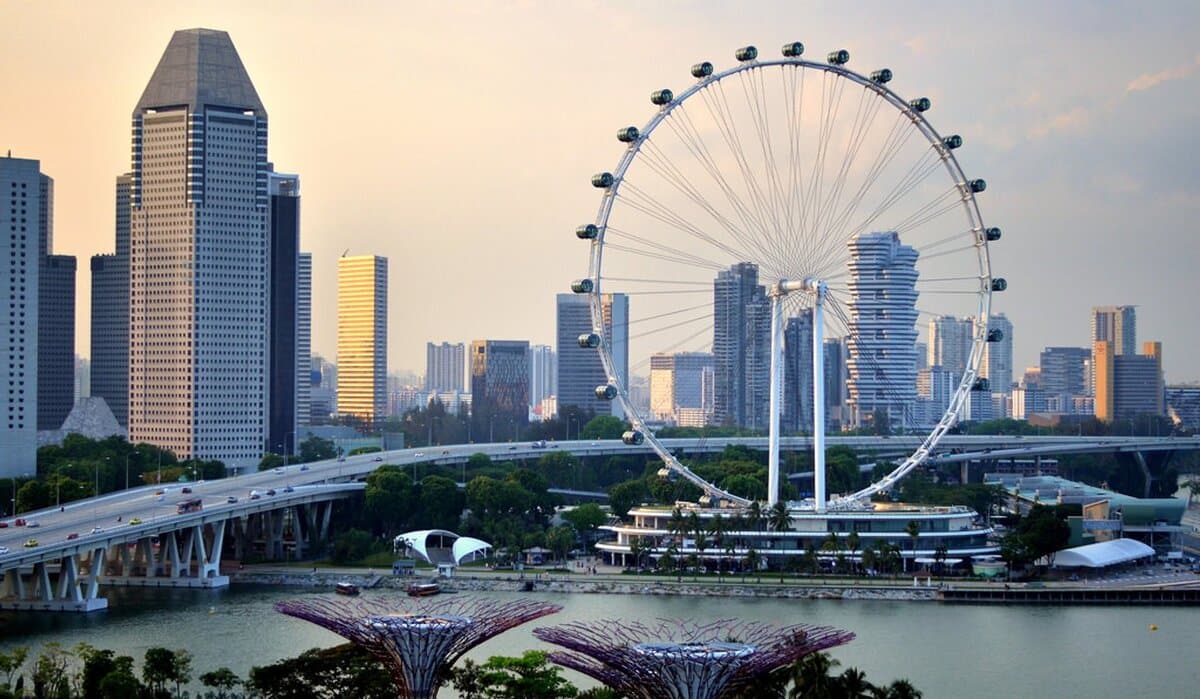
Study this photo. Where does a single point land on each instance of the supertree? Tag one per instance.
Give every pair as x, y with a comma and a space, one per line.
417, 641
683, 659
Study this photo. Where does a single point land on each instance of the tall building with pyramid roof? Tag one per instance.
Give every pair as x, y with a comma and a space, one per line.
198, 255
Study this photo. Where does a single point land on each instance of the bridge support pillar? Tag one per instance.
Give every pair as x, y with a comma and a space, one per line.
41, 594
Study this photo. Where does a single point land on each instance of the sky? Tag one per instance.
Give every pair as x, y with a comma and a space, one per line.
457, 139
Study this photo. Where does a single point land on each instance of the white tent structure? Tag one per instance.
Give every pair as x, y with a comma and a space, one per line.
440, 547
1103, 554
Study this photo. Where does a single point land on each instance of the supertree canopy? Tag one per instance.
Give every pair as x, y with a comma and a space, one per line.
683, 659
417, 640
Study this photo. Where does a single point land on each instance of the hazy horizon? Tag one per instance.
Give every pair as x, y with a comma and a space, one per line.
458, 140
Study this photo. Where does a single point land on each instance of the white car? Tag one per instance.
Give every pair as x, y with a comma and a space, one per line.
97, 530
278, 470
3, 550
32, 524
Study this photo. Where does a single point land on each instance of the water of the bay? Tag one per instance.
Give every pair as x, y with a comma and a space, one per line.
945, 650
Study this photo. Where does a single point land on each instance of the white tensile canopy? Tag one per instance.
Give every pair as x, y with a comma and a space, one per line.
1103, 554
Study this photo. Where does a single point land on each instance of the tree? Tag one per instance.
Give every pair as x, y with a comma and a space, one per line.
603, 427
913, 529
780, 517
269, 461
622, 497
560, 540
900, 689
317, 449
158, 667
586, 517
852, 544
754, 516
390, 499
441, 503
529, 676
854, 684
811, 679
181, 669
50, 676
222, 679
11, 663
341, 672
351, 545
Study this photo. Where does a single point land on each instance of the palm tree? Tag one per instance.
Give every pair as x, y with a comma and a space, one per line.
755, 516
678, 525
913, 529
636, 550
939, 555
832, 544
855, 685
752, 561
852, 544
780, 518
900, 689
810, 677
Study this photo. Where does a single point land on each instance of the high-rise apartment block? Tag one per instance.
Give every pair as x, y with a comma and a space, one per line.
1127, 385
882, 329
797, 414
996, 364
741, 348
362, 337
499, 388
199, 255
835, 382
110, 314
1183, 406
21, 210
288, 361
445, 365
304, 339
1116, 325
1064, 371
580, 370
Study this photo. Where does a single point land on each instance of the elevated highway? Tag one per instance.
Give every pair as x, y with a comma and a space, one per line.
136, 537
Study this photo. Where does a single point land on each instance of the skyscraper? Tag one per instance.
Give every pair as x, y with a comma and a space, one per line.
56, 319
445, 365
835, 382
949, 346
681, 388
543, 375
1116, 325
1128, 385
21, 207
797, 413
996, 363
288, 363
362, 337
199, 247
304, 340
741, 347
579, 368
1063, 371
882, 333
110, 314
499, 388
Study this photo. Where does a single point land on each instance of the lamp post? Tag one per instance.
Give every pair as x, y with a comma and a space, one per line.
127, 472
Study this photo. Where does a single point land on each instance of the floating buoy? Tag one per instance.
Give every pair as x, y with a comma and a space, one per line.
212, 610
1154, 627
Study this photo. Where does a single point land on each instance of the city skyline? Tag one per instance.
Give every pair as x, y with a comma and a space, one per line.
1080, 210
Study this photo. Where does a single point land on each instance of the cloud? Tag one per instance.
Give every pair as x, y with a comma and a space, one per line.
1145, 81
1073, 120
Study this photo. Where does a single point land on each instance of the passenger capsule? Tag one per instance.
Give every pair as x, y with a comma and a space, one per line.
882, 76
702, 70
992, 234
661, 97
981, 384
839, 57
629, 134
582, 286
589, 340
793, 49
999, 284
602, 180
977, 186
633, 438
995, 335
587, 231
952, 142
746, 53
920, 104
606, 392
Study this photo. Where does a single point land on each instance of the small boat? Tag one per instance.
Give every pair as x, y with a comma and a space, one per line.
346, 588
423, 589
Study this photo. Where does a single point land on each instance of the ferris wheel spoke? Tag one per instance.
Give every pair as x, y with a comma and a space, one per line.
795, 100
755, 92
653, 208
659, 251
668, 314
672, 326
864, 118
917, 173
916, 221
682, 124
831, 107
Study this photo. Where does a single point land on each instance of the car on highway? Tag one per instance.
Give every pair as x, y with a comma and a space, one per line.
135, 521
419, 454
72, 536
31, 543
377, 458
513, 448
445, 452
270, 491
277, 471
288, 489
19, 522
3, 550
303, 467
3, 525
186, 490
254, 495
32, 524
161, 491
97, 530
341, 459
231, 499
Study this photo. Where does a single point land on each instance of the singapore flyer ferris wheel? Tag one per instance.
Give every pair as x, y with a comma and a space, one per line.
785, 230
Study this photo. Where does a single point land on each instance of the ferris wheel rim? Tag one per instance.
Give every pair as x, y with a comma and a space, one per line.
969, 204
